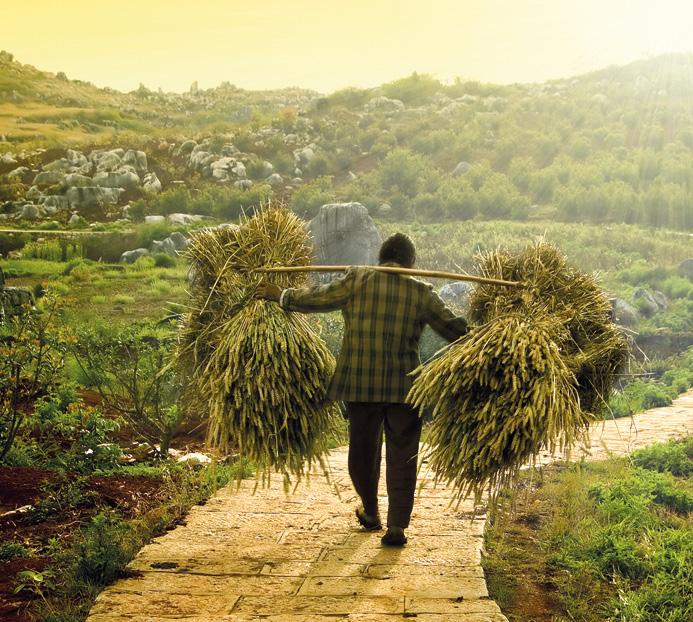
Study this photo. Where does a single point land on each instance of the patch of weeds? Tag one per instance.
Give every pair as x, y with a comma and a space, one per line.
13, 550
123, 299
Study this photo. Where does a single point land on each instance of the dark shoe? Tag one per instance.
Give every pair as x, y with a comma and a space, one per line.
394, 536
369, 523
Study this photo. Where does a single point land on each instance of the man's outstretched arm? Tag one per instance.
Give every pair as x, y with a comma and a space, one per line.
329, 297
443, 320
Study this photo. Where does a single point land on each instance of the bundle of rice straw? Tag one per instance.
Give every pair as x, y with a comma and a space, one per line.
261, 372
533, 373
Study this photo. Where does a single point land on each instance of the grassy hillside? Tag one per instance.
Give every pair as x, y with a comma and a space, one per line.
613, 146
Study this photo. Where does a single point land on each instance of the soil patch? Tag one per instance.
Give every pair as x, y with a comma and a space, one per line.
131, 495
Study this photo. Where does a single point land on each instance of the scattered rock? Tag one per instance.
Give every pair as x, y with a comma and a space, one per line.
462, 168
133, 255
49, 178
136, 159
184, 219
75, 180
195, 458
243, 184
151, 184
18, 173
384, 104
122, 178
456, 293
624, 313
29, 212
153, 219
686, 268
275, 179
92, 196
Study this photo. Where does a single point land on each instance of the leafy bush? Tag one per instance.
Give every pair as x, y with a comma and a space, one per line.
31, 359
307, 199
73, 436
640, 395
123, 299
130, 369
106, 546
13, 550
675, 457
162, 260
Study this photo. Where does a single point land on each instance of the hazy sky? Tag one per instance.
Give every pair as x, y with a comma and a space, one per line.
326, 45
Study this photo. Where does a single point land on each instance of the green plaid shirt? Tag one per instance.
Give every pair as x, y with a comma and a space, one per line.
384, 315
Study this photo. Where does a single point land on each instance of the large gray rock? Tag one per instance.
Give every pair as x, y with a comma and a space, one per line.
76, 158
14, 301
457, 292
686, 268
92, 197
56, 201
63, 165
164, 246
243, 184
151, 184
29, 212
179, 240
344, 233
136, 159
624, 313
462, 168
122, 178
650, 302
134, 255
75, 180
275, 179
107, 161
183, 219
186, 147
18, 173
49, 178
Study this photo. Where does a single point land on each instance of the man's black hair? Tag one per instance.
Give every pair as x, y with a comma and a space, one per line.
398, 248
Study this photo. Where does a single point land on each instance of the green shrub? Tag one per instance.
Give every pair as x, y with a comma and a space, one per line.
106, 546
143, 264
13, 550
675, 457
123, 299
678, 287
162, 260
640, 395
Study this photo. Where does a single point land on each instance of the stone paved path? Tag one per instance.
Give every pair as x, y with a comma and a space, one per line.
301, 557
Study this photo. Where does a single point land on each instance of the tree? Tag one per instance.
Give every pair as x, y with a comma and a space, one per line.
32, 355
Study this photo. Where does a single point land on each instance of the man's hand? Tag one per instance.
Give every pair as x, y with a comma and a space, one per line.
268, 291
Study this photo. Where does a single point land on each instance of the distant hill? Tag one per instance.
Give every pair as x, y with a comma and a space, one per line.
615, 145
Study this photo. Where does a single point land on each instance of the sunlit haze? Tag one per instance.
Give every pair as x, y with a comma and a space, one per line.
326, 45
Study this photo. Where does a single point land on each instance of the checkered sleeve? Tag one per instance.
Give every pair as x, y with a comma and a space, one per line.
442, 320
329, 297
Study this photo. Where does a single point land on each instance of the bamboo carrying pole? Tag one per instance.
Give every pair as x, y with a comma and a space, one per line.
395, 270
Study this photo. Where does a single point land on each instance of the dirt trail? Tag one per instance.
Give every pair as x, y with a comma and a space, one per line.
301, 557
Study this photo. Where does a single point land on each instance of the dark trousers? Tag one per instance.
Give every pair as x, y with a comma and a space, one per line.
402, 427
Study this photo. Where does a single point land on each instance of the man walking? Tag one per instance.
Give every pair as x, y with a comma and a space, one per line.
384, 315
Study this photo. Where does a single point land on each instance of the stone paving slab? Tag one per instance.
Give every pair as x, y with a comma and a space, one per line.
256, 553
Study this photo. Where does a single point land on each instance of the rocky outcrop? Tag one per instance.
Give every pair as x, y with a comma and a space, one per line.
384, 104
91, 197
456, 293
686, 268
344, 233
624, 313
171, 245
13, 300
